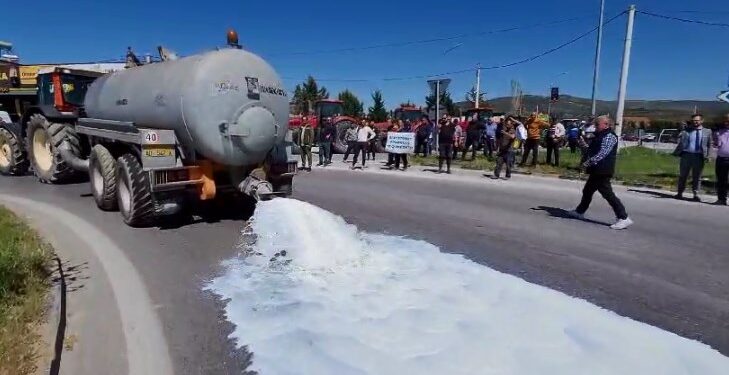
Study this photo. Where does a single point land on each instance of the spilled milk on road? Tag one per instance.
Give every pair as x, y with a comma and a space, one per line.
311, 294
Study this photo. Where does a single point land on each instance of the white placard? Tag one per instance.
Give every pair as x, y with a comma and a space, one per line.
400, 143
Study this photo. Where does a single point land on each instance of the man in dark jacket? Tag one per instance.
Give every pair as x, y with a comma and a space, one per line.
473, 136
446, 137
600, 165
422, 136
326, 136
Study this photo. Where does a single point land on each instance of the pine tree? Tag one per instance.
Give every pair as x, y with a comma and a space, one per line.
471, 96
306, 93
445, 101
377, 112
350, 103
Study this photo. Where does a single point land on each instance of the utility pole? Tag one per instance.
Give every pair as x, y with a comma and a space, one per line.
596, 73
478, 83
435, 85
624, 71
437, 109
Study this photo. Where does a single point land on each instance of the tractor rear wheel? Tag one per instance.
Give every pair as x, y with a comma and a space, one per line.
102, 175
44, 139
13, 159
134, 195
340, 145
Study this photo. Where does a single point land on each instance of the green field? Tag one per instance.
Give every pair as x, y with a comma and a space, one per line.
636, 166
23, 285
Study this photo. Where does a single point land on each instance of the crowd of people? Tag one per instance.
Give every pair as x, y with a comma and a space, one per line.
506, 137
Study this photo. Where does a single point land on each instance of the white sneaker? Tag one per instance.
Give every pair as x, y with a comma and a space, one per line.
576, 215
622, 224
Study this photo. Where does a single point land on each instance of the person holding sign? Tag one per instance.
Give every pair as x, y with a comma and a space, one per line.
400, 143
364, 135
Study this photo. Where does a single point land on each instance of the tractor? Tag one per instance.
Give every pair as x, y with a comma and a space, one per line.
327, 110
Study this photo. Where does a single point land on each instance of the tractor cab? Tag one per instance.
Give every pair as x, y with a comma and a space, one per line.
406, 112
64, 89
328, 109
483, 113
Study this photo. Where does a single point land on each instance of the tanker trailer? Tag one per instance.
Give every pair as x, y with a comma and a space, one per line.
164, 134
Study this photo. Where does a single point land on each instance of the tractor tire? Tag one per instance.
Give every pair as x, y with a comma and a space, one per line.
44, 139
102, 175
340, 145
134, 195
13, 159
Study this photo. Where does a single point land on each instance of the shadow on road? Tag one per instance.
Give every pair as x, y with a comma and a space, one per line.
656, 194
564, 214
210, 213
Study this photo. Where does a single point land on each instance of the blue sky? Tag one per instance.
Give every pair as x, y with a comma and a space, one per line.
670, 60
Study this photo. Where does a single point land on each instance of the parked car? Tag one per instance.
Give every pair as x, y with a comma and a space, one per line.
649, 137
631, 137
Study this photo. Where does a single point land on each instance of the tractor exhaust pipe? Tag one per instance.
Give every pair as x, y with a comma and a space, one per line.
74, 161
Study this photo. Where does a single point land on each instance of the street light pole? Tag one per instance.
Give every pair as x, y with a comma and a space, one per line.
596, 73
624, 72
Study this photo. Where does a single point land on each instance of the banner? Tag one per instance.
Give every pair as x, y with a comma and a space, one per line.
28, 73
400, 143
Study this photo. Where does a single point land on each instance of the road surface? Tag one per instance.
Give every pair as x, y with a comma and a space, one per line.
669, 270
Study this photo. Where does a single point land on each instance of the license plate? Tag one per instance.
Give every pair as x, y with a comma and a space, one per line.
159, 152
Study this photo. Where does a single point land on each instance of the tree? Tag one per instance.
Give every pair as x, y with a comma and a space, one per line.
306, 93
351, 104
377, 112
445, 101
471, 96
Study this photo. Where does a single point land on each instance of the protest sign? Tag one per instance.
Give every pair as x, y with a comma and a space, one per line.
400, 143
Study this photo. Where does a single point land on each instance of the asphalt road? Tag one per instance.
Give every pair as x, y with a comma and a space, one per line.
668, 270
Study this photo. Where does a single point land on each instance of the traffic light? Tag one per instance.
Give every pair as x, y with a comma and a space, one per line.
555, 94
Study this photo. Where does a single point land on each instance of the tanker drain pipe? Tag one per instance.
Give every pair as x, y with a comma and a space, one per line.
256, 186
69, 157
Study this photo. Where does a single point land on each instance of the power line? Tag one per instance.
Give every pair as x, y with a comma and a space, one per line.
685, 20
523, 61
425, 41
555, 49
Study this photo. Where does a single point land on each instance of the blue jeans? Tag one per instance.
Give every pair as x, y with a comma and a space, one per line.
325, 152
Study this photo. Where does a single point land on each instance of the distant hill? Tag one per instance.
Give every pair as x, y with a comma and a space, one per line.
572, 106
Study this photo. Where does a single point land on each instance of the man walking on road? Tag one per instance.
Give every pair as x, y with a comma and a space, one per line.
693, 149
722, 162
326, 136
600, 165
534, 127
446, 138
364, 135
306, 141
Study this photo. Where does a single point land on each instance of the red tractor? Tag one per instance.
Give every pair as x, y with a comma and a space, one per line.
331, 110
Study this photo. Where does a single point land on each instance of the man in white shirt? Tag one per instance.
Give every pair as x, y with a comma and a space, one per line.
364, 135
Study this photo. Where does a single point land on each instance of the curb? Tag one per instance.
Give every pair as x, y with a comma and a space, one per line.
55, 327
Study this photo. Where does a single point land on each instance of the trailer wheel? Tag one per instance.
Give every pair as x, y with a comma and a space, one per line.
133, 191
44, 139
102, 175
13, 160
